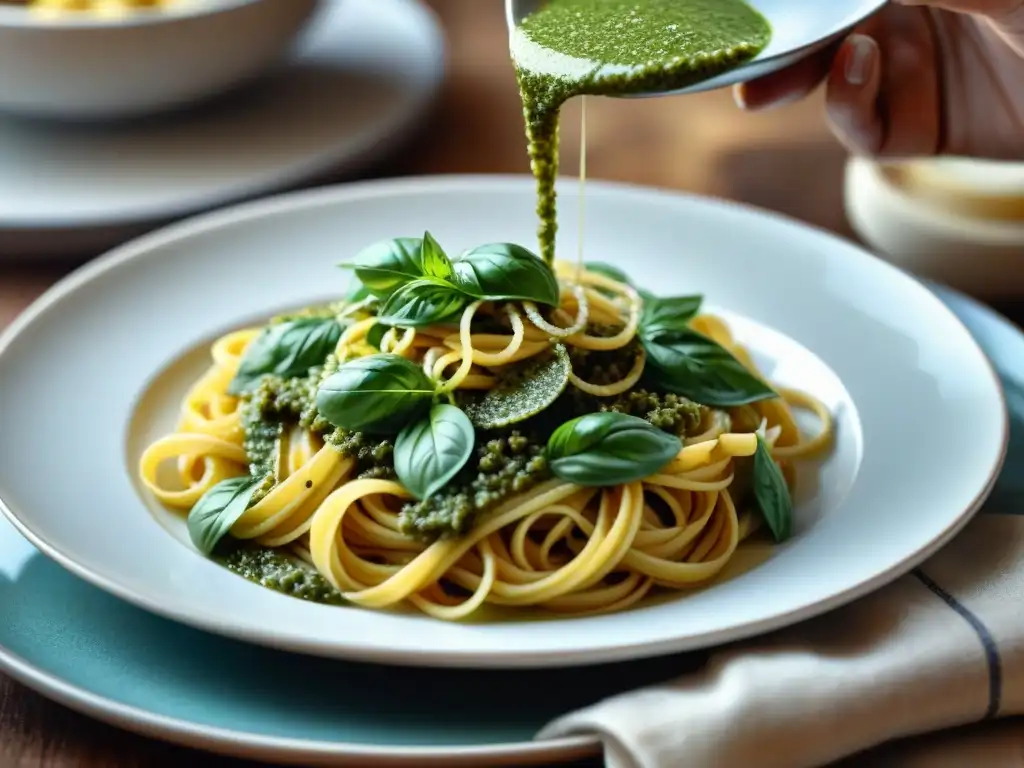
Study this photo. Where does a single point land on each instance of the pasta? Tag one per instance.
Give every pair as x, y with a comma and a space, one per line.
566, 524
495, 429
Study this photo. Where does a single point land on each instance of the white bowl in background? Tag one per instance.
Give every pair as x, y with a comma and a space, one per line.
85, 67
958, 222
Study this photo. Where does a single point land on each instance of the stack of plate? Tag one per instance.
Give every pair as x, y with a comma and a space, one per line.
122, 618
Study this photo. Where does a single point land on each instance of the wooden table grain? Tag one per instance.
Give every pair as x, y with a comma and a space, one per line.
784, 160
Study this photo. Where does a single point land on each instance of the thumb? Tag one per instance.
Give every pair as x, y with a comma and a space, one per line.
853, 89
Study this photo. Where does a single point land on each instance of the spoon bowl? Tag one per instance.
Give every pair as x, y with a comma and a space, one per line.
799, 29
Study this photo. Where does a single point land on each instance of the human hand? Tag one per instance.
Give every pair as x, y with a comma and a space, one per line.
920, 78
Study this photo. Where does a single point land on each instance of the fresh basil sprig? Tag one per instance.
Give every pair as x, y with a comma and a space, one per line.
668, 314
772, 493
506, 272
609, 448
386, 266
420, 285
422, 302
218, 509
377, 394
287, 349
687, 363
431, 451
434, 260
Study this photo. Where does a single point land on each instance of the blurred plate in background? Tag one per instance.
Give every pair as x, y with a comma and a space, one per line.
360, 82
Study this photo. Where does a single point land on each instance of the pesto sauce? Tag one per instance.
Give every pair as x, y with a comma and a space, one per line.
276, 570
522, 391
618, 47
503, 464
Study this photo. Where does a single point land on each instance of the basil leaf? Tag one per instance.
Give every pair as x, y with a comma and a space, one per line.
376, 334
431, 451
386, 266
688, 363
288, 349
524, 390
669, 314
422, 302
434, 261
356, 292
609, 448
376, 393
218, 509
506, 272
772, 493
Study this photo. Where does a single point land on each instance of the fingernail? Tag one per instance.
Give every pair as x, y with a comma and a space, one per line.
860, 59
737, 96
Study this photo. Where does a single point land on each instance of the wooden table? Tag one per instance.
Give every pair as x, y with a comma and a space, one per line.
784, 160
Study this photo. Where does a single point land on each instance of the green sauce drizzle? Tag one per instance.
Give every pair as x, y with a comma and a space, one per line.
617, 47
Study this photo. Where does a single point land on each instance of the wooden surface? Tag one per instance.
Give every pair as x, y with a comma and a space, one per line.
784, 160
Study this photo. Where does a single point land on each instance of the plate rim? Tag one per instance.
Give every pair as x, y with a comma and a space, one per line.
377, 188
353, 155
241, 744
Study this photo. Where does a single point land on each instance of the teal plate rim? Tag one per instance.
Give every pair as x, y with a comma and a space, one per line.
247, 701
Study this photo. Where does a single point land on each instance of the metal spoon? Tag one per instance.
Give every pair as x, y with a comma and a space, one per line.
801, 27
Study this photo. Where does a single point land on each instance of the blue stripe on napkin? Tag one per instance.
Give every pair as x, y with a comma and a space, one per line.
995, 669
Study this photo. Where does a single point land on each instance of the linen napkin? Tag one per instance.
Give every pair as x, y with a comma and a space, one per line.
939, 648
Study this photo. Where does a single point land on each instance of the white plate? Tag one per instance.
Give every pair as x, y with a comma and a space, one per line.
360, 81
79, 646
97, 366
